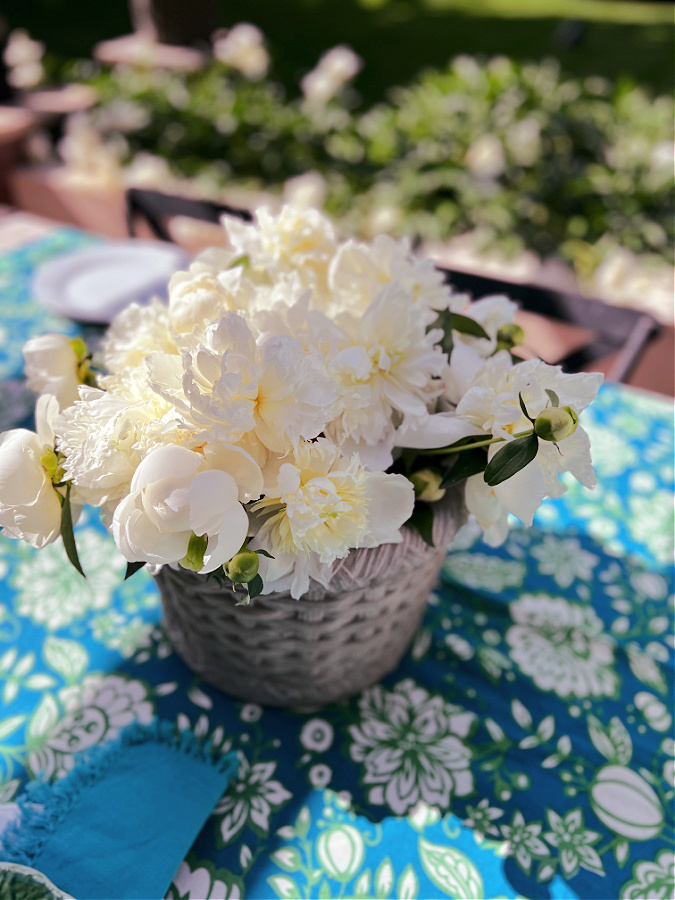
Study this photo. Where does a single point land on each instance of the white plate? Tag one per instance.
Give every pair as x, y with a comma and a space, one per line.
94, 284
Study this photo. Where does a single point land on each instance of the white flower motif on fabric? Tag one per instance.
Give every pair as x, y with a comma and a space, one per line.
653, 879
250, 800
96, 710
412, 748
562, 647
564, 559
317, 735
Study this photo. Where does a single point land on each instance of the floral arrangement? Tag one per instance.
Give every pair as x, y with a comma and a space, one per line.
298, 397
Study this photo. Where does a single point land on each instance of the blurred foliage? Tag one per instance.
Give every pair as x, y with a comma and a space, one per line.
520, 154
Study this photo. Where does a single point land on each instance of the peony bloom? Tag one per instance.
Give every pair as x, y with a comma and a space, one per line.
134, 333
384, 369
210, 288
174, 495
30, 507
275, 391
321, 506
243, 48
51, 365
333, 71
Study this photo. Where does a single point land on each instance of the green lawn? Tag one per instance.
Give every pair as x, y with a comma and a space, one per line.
397, 38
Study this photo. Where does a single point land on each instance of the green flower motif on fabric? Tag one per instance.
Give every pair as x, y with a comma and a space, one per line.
655, 880
250, 799
562, 646
81, 716
564, 559
198, 879
451, 871
482, 817
53, 594
574, 842
482, 572
16, 671
412, 748
610, 457
115, 631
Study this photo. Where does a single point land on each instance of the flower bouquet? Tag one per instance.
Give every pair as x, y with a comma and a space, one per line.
306, 421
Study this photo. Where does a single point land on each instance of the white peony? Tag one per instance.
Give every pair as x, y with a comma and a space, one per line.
210, 287
276, 391
175, 494
385, 368
134, 333
30, 507
243, 48
321, 506
51, 367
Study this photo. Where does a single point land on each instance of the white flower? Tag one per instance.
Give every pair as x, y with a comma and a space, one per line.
51, 366
562, 647
105, 437
243, 48
306, 191
316, 734
276, 390
136, 332
485, 157
492, 404
30, 507
210, 287
322, 506
294, 240
385, 368
411, 745
173, 495
335, 68
250, 799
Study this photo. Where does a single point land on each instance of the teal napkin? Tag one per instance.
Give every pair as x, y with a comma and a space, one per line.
123, 819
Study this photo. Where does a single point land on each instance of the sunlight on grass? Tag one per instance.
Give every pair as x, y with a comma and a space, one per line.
590, 10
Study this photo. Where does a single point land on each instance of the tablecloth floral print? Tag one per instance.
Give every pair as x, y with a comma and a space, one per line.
523, 748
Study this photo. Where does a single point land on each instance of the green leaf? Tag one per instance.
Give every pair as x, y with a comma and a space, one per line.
284, 887
132, 568
408, 886
264, 553
287, 858
324, 891
553, 397
465, 325
68, 658
255, 587
451, 871
43, 721
422, 521
524, 408
67, 532
7, 726
511, 459
303, 822
467, 463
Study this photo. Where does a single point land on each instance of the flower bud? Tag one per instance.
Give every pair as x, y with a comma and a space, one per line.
509, 335
556, 423
427, 484
243, 567
194, 558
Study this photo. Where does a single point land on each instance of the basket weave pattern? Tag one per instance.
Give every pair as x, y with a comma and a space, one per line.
328, 645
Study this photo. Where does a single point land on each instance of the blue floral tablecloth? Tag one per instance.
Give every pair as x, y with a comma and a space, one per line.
524, 747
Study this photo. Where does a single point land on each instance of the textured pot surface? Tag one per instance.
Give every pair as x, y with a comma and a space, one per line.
330, 644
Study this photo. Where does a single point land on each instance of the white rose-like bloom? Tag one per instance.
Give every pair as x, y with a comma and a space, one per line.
358, 271
335, 68
492, 404
210, 287
51, 367
294, 240
134, 333
322, 506
384, 369
30, 508
276, 390
175, 494
243, 48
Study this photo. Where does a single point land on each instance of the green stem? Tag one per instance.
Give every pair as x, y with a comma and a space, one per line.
486, 443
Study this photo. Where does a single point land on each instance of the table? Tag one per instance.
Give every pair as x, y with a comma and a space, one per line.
523, 748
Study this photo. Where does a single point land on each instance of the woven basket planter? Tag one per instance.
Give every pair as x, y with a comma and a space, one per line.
328, 645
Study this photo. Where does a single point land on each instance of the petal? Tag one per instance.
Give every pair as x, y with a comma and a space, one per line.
210, 495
